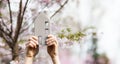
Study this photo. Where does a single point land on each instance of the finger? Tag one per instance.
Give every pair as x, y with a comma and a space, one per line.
50, 44
34, 37
53, 38
30, 45
49, 36
27, 44
50, 39
33, 43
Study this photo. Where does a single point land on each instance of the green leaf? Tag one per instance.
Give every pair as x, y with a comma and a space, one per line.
70, 36
68, 30
22, 41
61, 35
67, 33
63, 31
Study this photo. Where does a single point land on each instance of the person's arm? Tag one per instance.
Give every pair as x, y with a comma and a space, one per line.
29, 60
55, 60
52, 48
32, 50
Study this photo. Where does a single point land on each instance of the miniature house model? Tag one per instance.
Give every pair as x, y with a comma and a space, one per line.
42, 27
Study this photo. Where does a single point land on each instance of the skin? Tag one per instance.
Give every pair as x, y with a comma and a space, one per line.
33, 47
102, 60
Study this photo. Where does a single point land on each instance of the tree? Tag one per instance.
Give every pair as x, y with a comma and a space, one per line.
11, 29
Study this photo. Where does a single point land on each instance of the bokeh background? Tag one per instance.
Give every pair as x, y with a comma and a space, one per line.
87, 30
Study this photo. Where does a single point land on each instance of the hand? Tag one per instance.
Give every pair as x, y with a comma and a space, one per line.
52, 46
32, 47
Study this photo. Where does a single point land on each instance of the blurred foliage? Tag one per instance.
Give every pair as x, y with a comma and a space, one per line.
67, 33
0, 14
2, 3
22, 41
3, 40
95, 55
0, 7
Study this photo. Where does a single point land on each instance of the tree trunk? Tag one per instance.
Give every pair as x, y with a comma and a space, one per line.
15, 52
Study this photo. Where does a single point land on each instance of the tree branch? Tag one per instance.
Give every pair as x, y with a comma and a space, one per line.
10, 13
24, 29
20, 19
3, 34
10, 44
19, 23
61, 7
2, 22
24, 10
2, 31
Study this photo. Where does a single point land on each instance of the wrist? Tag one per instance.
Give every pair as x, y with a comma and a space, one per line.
29, 60
53, 55
55, 59
29, 56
